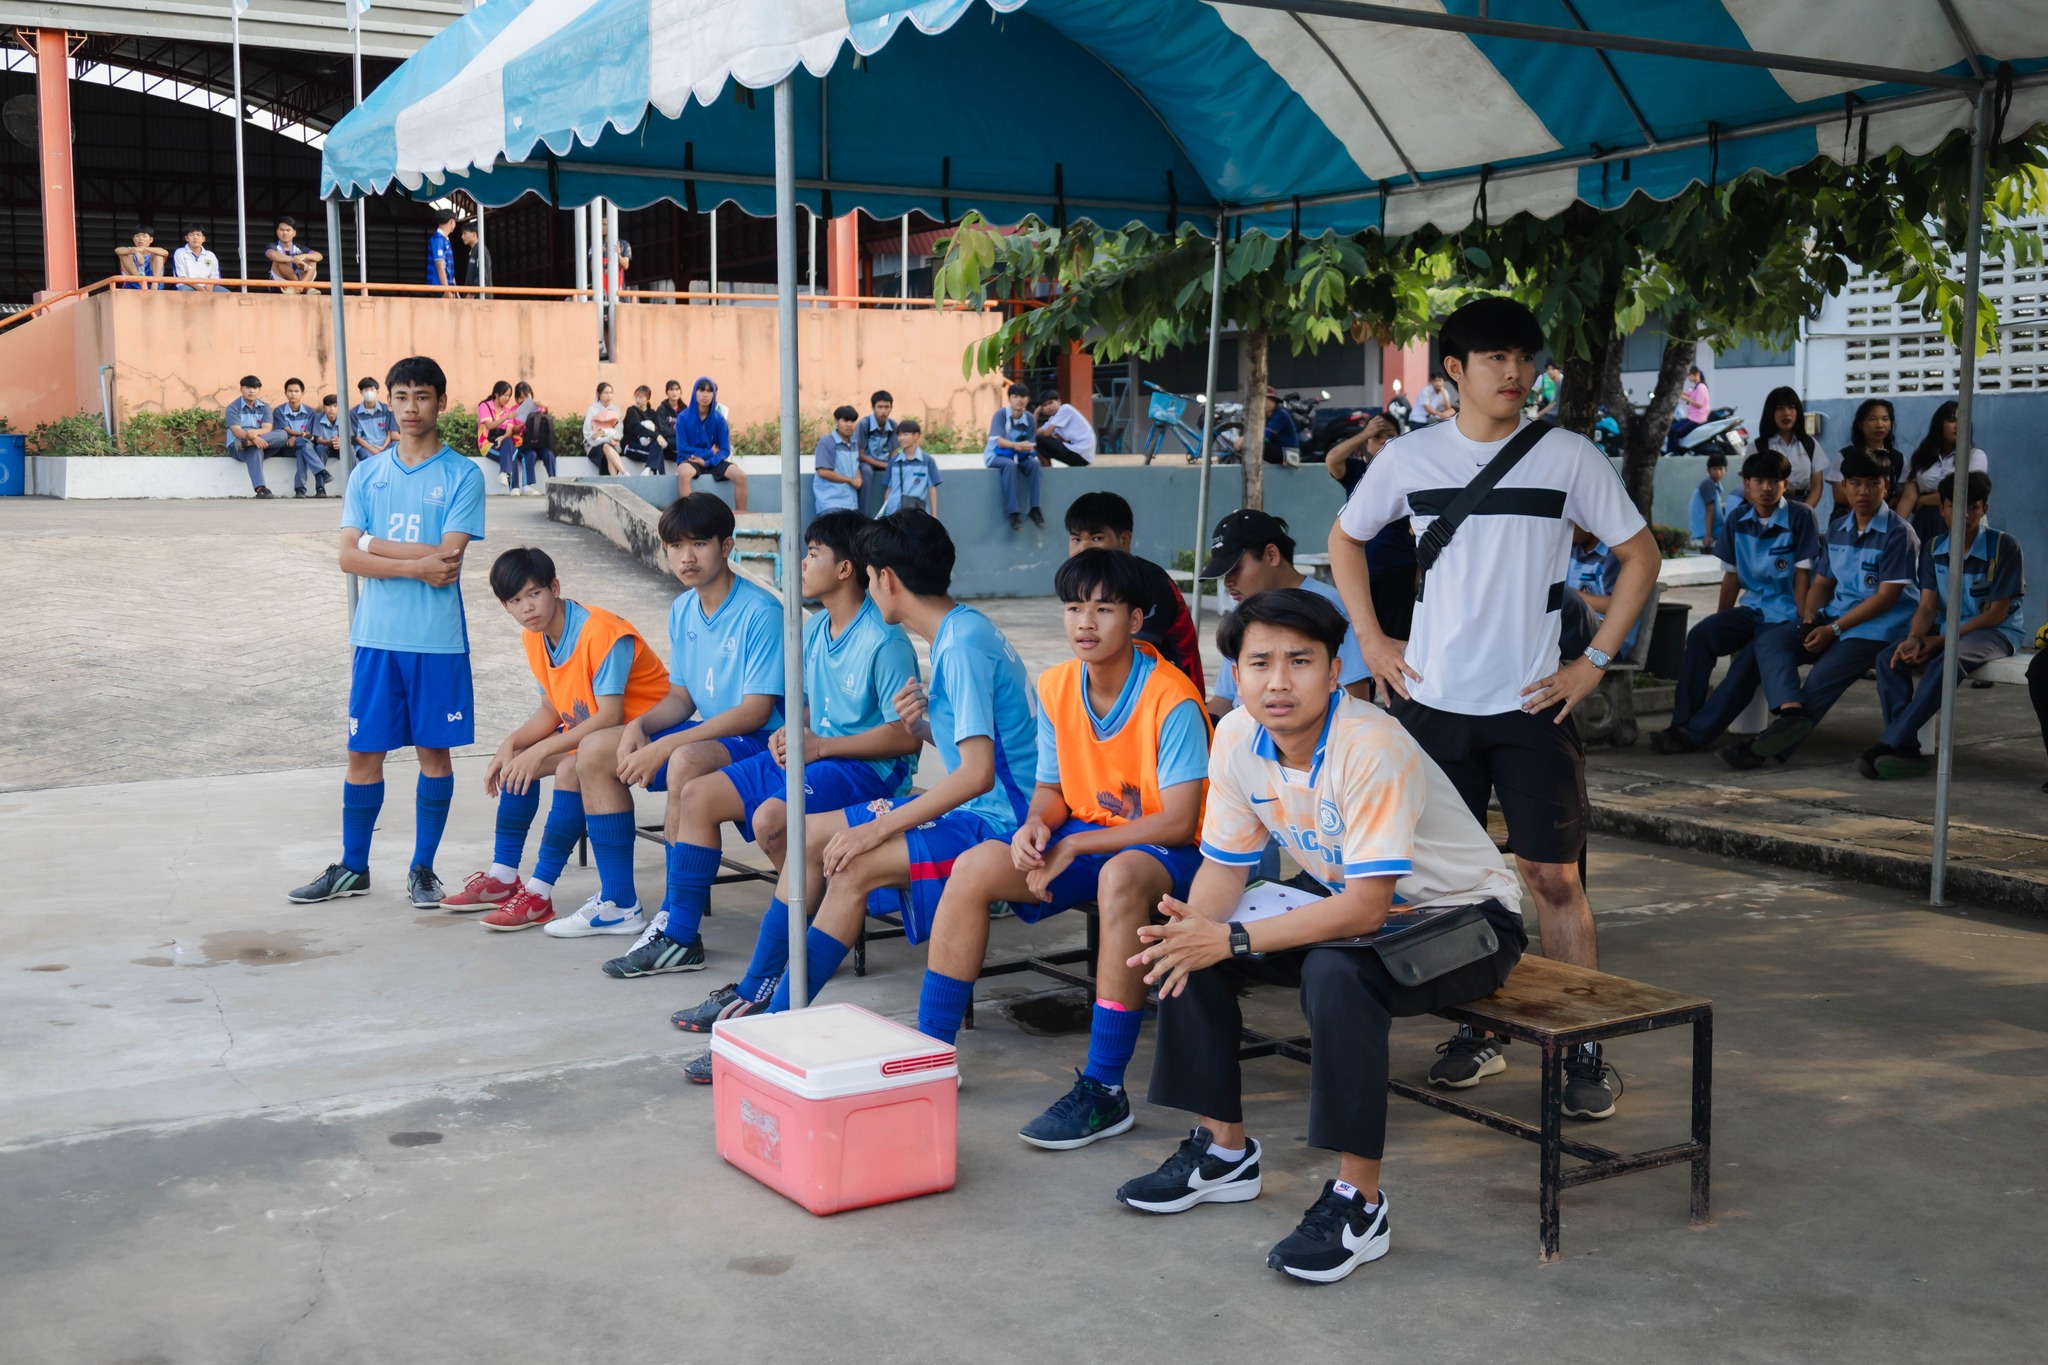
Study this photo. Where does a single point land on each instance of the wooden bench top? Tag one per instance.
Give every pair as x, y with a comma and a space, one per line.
1553, 997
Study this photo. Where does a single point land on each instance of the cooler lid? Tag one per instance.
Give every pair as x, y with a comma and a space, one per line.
833, 1043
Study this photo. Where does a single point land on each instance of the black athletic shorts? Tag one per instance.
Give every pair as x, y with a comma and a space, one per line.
1537, 768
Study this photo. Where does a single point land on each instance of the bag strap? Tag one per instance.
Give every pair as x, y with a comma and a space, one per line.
1432, 542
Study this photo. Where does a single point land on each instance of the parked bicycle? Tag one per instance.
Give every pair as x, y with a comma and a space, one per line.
1168, 411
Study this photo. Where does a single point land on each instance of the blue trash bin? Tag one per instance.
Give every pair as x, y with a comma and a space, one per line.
13, 464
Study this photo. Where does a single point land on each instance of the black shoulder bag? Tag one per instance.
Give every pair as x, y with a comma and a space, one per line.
1432, 542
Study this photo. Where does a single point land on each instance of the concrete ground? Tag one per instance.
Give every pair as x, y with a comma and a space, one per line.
232, 1129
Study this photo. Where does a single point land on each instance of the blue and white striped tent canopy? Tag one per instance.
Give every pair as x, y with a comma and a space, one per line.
1311, 113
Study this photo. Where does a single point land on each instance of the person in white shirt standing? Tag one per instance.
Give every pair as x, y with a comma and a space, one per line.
1063, 433
1479, 684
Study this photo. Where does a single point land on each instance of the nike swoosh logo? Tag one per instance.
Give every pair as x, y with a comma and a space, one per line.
1264, 800
597, 923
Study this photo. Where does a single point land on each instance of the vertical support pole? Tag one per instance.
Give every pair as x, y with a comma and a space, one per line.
1550, 1152
714, 250
355, 23
903, 262
811, 220
241, 175
342, 392
792, 533
1208, 429
582, 250
1966, 394
1702, 1115
483, 253
843, 274
60, 205
615, 278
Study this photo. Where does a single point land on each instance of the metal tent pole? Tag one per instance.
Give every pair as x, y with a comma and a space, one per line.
1208, 431
241, 177
903, 263
355, 23
714, 250
347, 447
582, 250
1973, 278
615, 279
795, 860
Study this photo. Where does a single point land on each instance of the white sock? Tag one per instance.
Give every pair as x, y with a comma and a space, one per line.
1232, 1154
501, 873
545, 890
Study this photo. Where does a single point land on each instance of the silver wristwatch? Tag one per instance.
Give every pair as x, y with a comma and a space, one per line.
1599, 658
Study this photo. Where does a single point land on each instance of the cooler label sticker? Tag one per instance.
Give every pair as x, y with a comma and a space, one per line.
760, 1134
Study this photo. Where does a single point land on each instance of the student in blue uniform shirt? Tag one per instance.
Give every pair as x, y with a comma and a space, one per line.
1991, 626
441, 251
407, 517
912, 476
1012, 452
251, 433
326, 436
1767, 554
371, 426
836, 480
980, 715
1870, 587
294, 421
855, 750
1592, 573
1704, 513
725, 670
875, 437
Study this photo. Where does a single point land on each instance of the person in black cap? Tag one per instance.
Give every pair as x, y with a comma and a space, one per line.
1252, 553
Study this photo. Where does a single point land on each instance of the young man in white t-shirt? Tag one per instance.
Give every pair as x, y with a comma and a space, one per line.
1372, 820
1479, 682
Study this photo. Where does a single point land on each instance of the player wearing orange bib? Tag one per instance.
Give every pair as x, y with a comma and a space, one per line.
593, 672
1123, 759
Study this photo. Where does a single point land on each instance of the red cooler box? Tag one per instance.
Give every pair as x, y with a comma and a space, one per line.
835, 1106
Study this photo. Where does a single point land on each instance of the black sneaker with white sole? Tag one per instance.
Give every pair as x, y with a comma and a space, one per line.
424, 889
654, 952
1467, 1058
1192, 1175
1336, 1237
724, 1003
1587, 1094
337, 881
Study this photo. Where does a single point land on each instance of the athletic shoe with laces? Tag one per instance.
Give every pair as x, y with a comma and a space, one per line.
1787, 732
724, 1003
1469, 1057
1866, 762
1672, 740
698, 1072
597, 916
654, 952
1192, 1175
481, 892
337, 881
1741, 757
1088, 1113
523, 911
1587, 1094
424, 889
1336, 1236
1900, 763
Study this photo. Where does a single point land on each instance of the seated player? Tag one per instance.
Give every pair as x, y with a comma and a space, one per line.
978, 712
593, 672
1123, 751
1103, 521
1591, 573
725, 668
1252, 553
1767, 550
1370, 817
1870, 589
1991, 627
855, 750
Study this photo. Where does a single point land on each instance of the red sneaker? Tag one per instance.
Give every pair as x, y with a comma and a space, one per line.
523, 911
481, 892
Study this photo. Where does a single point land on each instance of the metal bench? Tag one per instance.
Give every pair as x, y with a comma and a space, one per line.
735, 870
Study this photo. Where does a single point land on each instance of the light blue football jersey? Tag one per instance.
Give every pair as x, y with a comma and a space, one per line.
417, 504
850, 682
978, 689
733, 653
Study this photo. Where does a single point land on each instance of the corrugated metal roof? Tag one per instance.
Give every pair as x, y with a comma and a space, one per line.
392, 28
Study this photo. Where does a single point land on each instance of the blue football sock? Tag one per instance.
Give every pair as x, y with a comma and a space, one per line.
690, 870
823, 954
611, 845
942, 1005
771, 953
1112, 1038
430, 806
360, 802
559, 836
515, 818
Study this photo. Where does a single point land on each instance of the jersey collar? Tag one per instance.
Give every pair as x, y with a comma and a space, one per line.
1264, 747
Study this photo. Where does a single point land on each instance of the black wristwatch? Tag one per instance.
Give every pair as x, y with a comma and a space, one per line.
1240, 941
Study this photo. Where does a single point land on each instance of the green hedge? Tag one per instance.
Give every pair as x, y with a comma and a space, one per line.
941, 437
181, 431
82, 433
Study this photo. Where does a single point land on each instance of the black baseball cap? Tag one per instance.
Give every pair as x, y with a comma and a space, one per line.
1245, 529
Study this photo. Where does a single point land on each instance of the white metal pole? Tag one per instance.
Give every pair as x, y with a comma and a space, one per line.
811, 218
346, 450
714, 250
483, 254
615, 280
1208, 431
241, 176
794, 857
355, 23
903, 262
1966, 394
582, 250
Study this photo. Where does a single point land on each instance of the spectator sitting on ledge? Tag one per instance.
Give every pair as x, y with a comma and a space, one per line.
1013, 453
289, 260
1063, 433
142, 260
294, 421
193, 261
250, 431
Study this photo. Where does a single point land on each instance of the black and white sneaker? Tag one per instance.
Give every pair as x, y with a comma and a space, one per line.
1192, 1176
1336, 1237
424, 889
1467, 1058
698, 1072
654, 952
337, 881
1587, 1094
724, 1003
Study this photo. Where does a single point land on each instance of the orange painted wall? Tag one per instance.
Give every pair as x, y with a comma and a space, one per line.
174, 350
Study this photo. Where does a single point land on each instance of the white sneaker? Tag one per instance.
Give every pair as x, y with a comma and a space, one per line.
597, 916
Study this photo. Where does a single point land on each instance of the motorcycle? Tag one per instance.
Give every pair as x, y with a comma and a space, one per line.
1722, 432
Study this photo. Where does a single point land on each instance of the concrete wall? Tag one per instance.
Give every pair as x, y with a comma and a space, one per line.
172, 350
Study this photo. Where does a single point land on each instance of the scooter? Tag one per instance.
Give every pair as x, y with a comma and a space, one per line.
1722, 431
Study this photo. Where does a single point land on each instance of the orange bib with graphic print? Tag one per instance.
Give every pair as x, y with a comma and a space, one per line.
1113, 780
570, 685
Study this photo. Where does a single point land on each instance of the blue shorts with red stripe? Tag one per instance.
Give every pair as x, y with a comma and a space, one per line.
737, 747
829, 784
933, 847
1077, 883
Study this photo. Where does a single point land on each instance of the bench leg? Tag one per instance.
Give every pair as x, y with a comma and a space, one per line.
1702, 1112
1550, 1167
583, 851
860, 948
